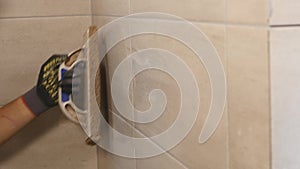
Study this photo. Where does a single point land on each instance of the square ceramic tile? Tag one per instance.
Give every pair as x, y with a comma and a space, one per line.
204, 10
248, 11
285, 97
110, 7
248, 97
212, 154
50, 142
17, 8
285, 12
27, 43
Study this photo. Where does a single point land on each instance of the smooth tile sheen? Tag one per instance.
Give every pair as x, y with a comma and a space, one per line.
27, 43
248, 98
29, 8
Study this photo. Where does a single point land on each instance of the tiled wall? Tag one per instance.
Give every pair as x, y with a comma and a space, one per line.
240, 32
30, 32
253, 38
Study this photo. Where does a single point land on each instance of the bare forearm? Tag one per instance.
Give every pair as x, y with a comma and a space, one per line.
13, 117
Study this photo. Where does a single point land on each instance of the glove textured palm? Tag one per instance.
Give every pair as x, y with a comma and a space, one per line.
47, 86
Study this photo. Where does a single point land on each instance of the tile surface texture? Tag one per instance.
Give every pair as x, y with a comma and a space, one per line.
33, 8
110, 7
250, 12
285, 12
285, 82
212, 154
248, 97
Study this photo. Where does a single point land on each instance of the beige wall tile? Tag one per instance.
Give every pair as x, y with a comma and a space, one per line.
285, 12
49, 142
248, 97
18, 8
285, 71
110, 7
248, 11
212, 154
200, 10
27, 43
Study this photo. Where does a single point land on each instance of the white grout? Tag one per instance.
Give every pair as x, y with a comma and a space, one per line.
91, 13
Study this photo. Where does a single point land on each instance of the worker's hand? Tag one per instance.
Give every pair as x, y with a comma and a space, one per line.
45, 94
47, 86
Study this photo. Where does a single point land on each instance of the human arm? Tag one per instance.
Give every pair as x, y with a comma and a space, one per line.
16, 114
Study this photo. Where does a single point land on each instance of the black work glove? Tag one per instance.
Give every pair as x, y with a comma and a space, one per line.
45, 94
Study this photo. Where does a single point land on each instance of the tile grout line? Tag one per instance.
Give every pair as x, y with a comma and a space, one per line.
270, 83
129, 7
270, 101
227, 97
134, 82
91, 13
285, 26
227, 109
198, 21
49, 16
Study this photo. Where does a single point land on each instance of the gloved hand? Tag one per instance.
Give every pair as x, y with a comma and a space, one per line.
45, 94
